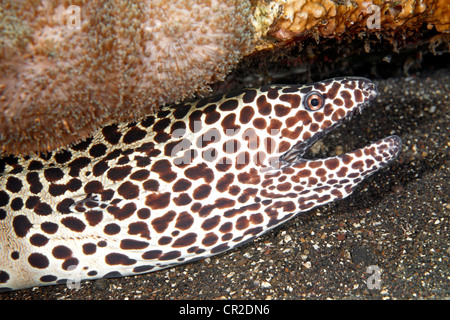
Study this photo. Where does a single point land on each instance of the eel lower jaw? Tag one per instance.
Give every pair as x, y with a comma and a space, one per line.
382, 152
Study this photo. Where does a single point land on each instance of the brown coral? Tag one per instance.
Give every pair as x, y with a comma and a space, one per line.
60, 83
327, 18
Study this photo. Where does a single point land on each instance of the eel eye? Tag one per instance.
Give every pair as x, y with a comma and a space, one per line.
314, 101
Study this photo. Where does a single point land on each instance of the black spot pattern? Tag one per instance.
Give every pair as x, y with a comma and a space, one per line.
133, 135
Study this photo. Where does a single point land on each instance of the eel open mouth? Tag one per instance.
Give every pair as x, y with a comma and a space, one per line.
383, 151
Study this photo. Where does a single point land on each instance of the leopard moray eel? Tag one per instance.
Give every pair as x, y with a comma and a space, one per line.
193, 181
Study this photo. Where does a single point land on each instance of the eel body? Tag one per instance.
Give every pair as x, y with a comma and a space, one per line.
192, 181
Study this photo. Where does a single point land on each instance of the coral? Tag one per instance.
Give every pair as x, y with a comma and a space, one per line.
58, 84
126, 58
326, 18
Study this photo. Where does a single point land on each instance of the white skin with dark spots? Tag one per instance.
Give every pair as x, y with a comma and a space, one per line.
195, 180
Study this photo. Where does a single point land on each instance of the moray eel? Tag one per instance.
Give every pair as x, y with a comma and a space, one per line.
192, 181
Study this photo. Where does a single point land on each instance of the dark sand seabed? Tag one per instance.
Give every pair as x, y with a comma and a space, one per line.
397, 221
